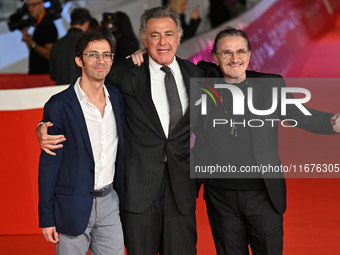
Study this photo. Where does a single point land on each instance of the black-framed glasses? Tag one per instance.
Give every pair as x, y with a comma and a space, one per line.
34, 4
94, 56
227, 54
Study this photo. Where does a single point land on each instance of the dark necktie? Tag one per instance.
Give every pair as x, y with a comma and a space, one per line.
173, 98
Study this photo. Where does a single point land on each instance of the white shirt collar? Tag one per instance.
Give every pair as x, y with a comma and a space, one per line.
155, 68
82, 95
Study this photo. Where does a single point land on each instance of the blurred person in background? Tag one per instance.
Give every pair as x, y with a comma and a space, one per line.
221, 11
126, 41
94, 24
44, 35
189, 30
63, 68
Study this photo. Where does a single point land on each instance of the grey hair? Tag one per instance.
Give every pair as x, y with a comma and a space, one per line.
159, 12
230, 31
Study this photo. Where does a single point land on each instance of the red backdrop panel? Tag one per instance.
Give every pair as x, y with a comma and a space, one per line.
21, 81
19, 152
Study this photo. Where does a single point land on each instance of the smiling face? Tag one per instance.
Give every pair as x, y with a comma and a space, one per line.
161, 39
98, 69
233, 67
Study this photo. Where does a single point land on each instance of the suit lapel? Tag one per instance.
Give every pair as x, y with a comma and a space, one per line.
117, 111
256, 96
186, 75
259, 101
186, 78
79, 117
141, 83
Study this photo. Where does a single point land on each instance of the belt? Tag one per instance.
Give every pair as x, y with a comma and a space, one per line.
102, 192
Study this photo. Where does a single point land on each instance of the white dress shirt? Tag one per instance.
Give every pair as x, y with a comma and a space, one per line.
158, 91
103, 136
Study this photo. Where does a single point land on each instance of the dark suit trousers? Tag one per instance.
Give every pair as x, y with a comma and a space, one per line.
238, 218
161, 228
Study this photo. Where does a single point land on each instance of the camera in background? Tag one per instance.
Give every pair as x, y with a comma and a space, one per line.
21, 18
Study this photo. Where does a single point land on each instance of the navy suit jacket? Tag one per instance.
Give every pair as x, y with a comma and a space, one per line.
65, 180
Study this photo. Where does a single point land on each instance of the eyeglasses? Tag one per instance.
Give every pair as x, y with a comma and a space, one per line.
227, 54
94, 56
33, 4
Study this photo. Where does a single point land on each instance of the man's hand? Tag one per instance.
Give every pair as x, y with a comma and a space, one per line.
137, 57
27, 38
196, 13
42, 50
49, 142
335, 122
50, 234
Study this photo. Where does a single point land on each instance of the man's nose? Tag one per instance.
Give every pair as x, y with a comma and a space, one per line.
162, 39
234, 56
100, 58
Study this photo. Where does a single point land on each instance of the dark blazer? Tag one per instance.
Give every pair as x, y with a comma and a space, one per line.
63, 67
65, 180
265, 139
146, 146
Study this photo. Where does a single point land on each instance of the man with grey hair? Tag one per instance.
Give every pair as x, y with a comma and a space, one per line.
160, 198
159, 214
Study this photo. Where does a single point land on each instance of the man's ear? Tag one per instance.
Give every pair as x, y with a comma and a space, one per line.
144, 42
179, 39
216, 59
85, 26
79, 61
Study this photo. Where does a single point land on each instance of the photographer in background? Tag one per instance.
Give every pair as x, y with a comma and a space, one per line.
117, 26
189, 29
126, 41
40, 44
63, 68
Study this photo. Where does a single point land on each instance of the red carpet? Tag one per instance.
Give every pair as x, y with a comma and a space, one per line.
312, 219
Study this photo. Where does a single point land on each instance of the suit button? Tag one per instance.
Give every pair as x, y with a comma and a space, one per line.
91, 191
92, 170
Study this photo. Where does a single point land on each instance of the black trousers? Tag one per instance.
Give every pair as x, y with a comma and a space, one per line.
161, 229
242, 218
